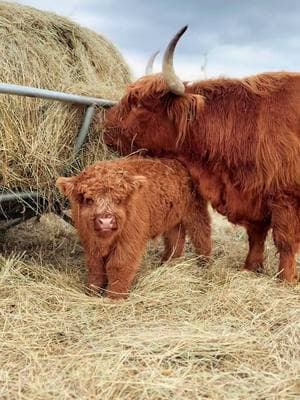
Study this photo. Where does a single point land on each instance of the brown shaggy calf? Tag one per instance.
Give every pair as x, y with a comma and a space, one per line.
117, 206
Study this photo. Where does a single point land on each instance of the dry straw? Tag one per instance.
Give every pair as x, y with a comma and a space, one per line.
185, 333
44, 50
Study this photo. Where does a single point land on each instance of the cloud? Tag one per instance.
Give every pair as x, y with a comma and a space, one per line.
240, 38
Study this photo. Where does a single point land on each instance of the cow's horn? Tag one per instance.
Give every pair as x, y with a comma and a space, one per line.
173, 82
149, 66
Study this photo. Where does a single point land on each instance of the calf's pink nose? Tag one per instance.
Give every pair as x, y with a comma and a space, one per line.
105, 223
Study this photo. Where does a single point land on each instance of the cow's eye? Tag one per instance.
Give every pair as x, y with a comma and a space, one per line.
88, 201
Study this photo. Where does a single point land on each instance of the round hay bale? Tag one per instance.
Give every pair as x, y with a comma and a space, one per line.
47, 51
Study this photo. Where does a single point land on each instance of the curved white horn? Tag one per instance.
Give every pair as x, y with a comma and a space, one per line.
173, 82
149, 66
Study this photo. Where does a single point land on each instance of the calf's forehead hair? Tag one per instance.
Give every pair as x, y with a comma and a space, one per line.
104, 203
107, 179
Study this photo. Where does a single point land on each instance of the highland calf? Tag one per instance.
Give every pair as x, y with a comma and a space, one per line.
117, 206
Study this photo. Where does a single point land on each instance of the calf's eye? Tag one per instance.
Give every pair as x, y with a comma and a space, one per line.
88, 201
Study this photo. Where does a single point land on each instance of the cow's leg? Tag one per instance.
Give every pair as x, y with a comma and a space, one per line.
121, 268
174, 241
198, 226
257, 234
286, 234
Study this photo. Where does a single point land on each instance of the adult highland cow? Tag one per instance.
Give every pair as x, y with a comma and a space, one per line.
240, 140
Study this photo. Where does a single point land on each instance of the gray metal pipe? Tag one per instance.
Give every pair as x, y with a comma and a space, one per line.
53, 95
84, 128
18, 195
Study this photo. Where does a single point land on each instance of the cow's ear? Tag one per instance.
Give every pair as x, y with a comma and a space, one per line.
139, 181
66, 185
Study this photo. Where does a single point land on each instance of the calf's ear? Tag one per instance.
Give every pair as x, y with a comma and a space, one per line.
66, 185
139, 181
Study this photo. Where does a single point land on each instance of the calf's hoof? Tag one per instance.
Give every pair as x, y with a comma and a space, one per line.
253, 267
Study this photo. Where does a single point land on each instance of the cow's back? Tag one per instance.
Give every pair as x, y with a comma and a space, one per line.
250, 130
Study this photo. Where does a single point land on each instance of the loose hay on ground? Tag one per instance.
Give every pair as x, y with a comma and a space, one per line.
44, 50
184, 333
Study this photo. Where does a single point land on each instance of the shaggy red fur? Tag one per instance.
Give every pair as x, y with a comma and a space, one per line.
240, 140
117, 206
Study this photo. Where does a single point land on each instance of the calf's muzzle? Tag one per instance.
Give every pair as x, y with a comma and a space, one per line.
105, 223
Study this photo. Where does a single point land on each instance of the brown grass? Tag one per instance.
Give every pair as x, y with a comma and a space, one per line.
184, 333
44, 50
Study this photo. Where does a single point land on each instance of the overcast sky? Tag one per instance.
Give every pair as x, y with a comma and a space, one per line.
239, 37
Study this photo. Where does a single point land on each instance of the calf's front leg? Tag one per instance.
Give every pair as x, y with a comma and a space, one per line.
96, 279
121, 269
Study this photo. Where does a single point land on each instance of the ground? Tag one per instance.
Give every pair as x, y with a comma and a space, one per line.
186, 332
